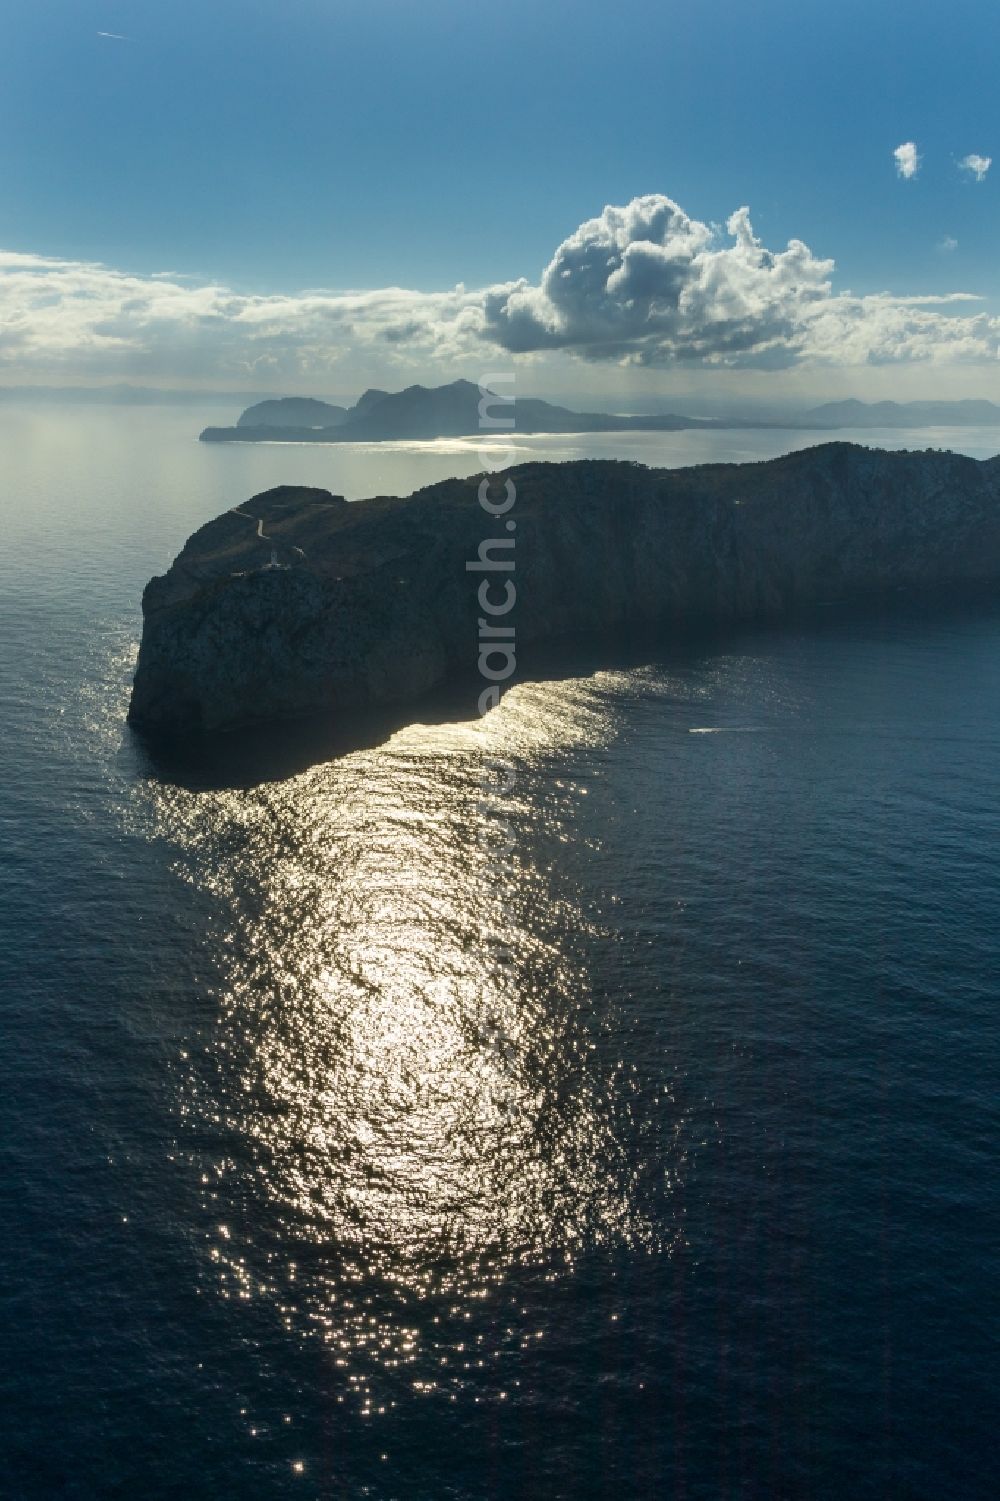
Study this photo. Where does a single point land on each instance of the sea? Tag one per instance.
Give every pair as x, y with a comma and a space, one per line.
343, 1157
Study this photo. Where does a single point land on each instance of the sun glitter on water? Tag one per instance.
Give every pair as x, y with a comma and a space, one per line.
396, 1110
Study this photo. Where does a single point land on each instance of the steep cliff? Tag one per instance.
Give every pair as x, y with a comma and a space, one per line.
296, 602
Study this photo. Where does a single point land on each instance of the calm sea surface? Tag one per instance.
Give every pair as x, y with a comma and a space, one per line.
305, 1194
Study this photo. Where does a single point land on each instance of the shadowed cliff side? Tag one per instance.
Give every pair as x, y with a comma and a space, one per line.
296, 603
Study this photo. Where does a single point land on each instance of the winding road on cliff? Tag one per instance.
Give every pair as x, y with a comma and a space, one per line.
235, 511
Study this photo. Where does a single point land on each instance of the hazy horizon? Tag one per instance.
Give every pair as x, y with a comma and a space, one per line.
764, 406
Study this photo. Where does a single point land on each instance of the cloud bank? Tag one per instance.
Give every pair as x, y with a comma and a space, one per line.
641, 284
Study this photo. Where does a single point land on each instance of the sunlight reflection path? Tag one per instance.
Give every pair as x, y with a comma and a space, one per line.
377, 1139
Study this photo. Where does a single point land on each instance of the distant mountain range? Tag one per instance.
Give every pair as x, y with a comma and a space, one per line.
453, 411
450, 411
902, 414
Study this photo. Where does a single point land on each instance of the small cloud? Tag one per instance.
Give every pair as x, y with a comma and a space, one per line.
907, 159
113, 36
948, 244
978, 166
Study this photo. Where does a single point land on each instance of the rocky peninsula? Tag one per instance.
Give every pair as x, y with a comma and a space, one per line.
297, 603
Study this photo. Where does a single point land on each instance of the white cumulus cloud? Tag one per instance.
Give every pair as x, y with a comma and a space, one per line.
976, 166
649, 284
645, 284
907, 159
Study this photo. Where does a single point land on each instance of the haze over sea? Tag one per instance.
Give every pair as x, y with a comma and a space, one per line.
281, 1220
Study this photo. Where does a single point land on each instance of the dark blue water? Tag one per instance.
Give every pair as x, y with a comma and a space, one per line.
305, 1194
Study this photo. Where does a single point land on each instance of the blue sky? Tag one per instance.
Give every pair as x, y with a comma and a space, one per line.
273, 147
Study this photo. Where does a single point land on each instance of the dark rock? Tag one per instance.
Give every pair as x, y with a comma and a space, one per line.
338, 607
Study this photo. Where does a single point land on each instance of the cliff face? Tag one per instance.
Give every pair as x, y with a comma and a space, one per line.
297, 603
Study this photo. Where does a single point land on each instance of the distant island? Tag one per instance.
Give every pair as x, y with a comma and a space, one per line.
426, 412
453, 411
834, 414
298, 603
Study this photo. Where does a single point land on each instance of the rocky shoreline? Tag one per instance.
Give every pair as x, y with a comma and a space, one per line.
296, 603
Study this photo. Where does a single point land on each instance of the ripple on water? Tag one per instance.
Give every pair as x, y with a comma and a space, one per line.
405, 1099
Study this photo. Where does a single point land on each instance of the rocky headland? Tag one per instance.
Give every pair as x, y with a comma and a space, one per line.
297, 603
